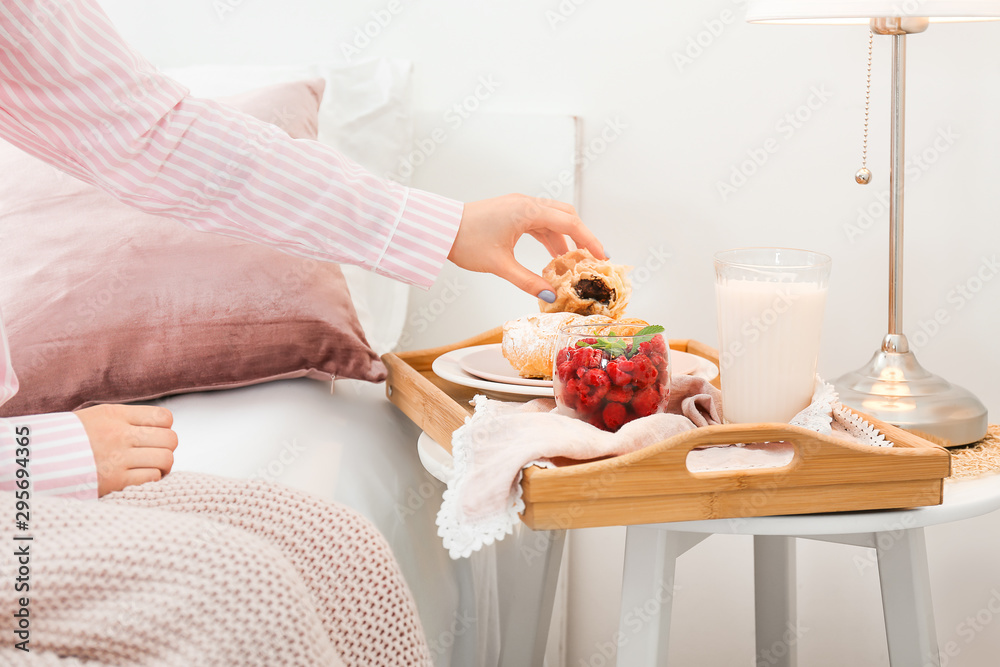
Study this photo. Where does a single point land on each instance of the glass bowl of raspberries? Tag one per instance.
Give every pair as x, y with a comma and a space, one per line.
609, 375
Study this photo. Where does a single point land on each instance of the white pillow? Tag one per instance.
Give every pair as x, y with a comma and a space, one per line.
365, 114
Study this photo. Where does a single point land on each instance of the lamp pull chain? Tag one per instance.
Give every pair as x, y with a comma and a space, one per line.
864, 176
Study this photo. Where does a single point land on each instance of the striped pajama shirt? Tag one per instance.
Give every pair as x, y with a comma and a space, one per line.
74, 94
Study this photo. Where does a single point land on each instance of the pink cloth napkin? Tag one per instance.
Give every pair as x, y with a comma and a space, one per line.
490, 451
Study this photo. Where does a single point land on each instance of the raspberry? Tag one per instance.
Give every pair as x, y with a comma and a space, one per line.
646, 348
659, 361
659, 345
571, 394
646, 401
566, 371
620, 371
613, 416
619, 394
564, 355
588, 357
645, 373
590, 402
598, 382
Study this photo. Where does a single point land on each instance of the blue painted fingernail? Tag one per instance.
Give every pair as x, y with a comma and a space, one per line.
547, 295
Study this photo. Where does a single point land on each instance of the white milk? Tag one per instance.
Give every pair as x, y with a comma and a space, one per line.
768, 346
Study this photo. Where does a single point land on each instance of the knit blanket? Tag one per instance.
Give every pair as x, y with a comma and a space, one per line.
198, 570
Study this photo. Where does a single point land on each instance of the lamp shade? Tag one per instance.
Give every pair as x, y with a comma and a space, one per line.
860, 11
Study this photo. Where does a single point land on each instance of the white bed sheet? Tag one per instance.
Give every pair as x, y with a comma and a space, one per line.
353, 447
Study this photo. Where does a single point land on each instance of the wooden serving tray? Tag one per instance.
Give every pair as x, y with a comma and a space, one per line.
654, 485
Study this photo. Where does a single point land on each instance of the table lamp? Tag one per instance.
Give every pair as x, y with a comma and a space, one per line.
893, 386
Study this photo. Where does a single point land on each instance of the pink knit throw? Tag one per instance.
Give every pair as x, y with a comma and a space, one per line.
199, 570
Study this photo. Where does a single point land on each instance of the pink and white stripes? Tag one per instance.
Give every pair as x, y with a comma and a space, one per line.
8, 380
56, 452
74, 94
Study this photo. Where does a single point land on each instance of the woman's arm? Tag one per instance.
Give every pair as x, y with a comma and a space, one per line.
74, 94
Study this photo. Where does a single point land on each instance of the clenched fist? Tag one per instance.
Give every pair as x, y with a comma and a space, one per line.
132, 444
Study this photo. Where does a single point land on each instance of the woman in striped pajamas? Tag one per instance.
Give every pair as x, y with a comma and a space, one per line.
74, 94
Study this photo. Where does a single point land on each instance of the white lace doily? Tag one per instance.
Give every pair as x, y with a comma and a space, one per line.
827, 415
462, 537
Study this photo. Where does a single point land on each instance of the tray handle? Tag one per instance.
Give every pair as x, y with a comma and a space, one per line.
818, 460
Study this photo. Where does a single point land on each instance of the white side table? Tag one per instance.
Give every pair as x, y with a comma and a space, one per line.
528, 564
896, 535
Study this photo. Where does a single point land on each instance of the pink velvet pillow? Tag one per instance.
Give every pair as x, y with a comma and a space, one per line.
103, 303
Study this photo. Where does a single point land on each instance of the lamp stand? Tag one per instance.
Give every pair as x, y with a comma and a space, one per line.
893, 386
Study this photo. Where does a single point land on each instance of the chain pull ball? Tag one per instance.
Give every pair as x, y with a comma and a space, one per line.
864, 175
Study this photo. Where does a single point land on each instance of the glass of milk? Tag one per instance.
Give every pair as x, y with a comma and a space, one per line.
770, 310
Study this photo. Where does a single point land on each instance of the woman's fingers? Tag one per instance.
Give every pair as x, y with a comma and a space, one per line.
152, 436
554, 243
147, 415
511, 271
140, 476
490, 229
157, 458
567, 224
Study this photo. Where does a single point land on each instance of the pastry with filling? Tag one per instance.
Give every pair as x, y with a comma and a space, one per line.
586, 285
529, 342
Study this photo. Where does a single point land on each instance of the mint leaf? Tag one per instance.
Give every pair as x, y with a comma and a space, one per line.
620, 346
651, 329
645, 335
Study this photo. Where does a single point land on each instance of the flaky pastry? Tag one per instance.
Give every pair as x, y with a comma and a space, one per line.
529, 342
587, 285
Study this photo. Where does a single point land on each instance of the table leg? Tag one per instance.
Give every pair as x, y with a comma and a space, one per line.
648, 592
528, 592
774, 600
906, 599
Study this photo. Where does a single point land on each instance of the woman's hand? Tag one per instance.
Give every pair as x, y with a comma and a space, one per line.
132, 444
491, 228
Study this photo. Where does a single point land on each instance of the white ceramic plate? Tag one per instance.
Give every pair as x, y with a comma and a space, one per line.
487, 362
452, 367
449, 367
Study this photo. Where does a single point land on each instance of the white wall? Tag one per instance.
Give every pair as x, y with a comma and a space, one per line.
684, 129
